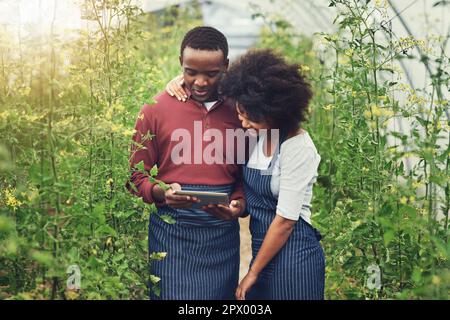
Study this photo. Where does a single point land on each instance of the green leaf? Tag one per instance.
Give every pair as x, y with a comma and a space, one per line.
154, 279
105, 230
133, 187
441, 3
42, 257
6, 224
140, 166
98, 213
422, 121
416, 275
154, 171
73, 254
388, 236
168, 219
163, 186
156, 290
158, 256
93, 262
118, 257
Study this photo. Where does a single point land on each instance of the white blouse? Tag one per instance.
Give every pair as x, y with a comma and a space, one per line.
293, 175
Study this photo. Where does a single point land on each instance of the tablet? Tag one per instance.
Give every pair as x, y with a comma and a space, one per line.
205, 197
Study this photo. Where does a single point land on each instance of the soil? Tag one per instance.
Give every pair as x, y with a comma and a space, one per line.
246, 249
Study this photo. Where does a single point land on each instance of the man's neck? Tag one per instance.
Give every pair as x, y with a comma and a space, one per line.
211, 99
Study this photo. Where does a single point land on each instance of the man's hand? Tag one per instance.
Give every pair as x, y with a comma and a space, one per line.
231, 212
173, 200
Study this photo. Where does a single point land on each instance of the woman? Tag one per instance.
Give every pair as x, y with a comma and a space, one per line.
272, 97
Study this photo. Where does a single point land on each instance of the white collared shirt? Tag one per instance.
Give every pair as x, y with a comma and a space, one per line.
209, 105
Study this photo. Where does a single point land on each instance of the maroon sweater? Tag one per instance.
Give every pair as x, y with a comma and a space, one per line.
154, 128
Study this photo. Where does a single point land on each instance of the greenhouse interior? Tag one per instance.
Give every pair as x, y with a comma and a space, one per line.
75, 75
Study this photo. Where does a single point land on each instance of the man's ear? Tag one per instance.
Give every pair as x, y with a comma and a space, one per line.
181, 60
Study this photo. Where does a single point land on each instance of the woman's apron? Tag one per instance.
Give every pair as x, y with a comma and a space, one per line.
202, 261
297, 272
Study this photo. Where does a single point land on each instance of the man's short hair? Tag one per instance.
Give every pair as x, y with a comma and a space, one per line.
205, 38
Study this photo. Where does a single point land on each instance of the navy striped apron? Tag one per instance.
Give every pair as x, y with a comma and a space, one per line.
297, 272
202, 261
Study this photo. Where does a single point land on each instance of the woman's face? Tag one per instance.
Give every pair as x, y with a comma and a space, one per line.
249, 124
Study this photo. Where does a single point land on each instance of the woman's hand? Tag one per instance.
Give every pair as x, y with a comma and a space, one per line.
246, 284
175, 88
231, 212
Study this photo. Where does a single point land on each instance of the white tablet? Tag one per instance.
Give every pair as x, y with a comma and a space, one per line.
205, 197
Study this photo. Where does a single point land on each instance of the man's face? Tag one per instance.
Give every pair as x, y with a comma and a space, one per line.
202, 71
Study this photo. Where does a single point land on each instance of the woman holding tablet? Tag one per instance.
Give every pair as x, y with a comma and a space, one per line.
272, 96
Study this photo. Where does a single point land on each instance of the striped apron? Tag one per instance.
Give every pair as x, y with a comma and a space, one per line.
202, 261
297, 272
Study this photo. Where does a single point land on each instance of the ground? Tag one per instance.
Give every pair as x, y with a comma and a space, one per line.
246, 249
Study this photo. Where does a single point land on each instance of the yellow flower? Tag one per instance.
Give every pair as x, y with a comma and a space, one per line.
116, 127
11, 200
417, 184
387, 113
367, 114
72, 295
403, 200
4, 115
25, 91
304, 68
436, 280
118, 107
146, 35
349, 52
376, 111
329, 107
128, 132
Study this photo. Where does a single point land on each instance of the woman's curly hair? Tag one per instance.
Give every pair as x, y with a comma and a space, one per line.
268, 89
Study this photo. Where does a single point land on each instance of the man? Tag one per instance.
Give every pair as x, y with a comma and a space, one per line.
202, 247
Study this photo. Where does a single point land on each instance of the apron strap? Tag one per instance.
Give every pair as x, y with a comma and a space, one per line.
282, 137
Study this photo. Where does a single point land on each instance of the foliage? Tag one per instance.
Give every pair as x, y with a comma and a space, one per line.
382, 197
68, 105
